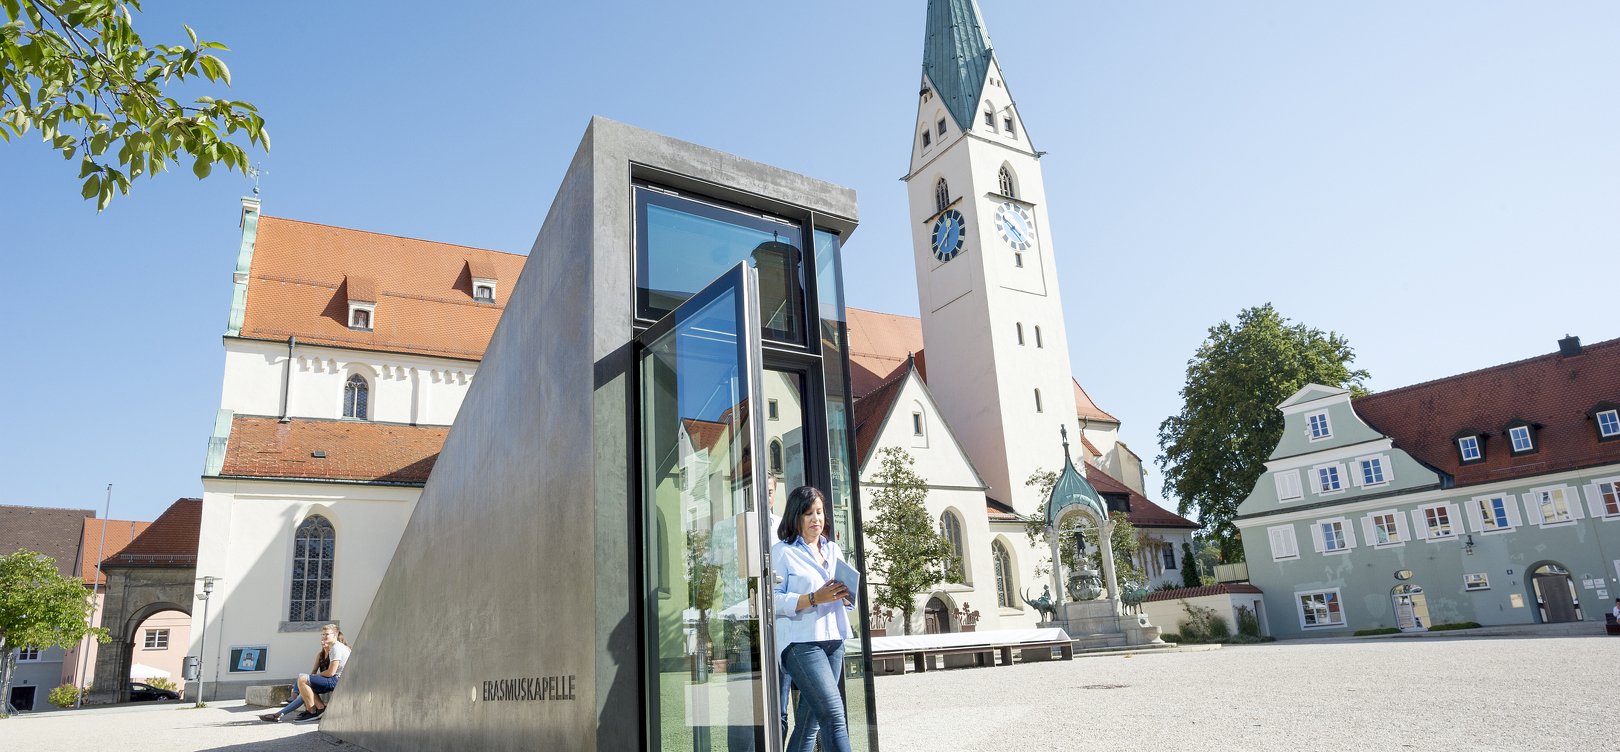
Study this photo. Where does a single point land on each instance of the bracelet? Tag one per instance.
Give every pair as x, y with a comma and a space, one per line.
812, 598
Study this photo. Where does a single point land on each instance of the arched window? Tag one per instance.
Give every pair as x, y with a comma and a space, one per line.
776, 457
313, 547
1004, 575
951, 528
355, 396
942, 195
1038, 337
1006, 178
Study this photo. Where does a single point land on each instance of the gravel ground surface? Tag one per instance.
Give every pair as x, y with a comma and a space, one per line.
161, 727
1519, 693
1537, 693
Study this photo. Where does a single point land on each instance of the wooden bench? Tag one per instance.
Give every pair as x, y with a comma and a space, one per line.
975, 656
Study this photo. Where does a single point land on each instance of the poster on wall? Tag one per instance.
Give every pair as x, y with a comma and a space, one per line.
249, 658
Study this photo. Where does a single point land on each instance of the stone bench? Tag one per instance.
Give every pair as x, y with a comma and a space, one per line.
275, 695
889, 662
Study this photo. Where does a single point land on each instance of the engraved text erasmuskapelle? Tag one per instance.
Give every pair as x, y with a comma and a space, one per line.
533, 689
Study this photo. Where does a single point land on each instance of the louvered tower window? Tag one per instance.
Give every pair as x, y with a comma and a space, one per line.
313, 547
942, 195
1006, 182
355, 396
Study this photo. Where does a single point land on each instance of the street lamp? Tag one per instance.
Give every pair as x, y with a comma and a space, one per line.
202, 649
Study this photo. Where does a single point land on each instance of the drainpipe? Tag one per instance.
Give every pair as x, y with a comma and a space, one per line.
286, 381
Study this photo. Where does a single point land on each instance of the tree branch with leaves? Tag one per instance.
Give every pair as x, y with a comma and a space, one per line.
907, 554
76, 71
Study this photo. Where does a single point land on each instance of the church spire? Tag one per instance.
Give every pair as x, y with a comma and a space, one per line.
956, 56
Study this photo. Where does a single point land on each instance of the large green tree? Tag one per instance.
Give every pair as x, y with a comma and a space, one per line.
907, 554
76, 71
38, 609
1215, 449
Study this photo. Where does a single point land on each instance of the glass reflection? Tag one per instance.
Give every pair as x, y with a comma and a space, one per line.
682, 245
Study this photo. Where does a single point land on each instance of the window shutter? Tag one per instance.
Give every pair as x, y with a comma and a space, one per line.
1350, 535
1420, 525
1400, 527
1316, 536
1279, 544
1532, 509
1388, 467
1594, 500
1456, 517
1314, 477
1513, 511
1355, 474
1573, 501
1367, 530
1293, 545
1473, 516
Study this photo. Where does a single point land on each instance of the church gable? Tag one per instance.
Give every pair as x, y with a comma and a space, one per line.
903, 414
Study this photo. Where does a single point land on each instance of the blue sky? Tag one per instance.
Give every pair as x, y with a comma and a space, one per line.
1437, 181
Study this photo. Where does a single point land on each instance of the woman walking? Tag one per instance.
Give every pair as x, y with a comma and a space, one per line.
321, 679
811, 621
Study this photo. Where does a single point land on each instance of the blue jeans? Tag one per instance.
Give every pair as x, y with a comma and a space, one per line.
318, 684
816, 668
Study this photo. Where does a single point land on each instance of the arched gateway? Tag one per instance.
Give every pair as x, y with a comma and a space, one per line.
156, 572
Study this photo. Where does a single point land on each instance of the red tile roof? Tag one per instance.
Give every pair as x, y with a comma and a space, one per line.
481, 269
171, 539
996, 510
1143, 513
1198, 592
423, 290
870, 411
43, 530
1088, 409
879, 344
1551, 390
120, 533
355, 451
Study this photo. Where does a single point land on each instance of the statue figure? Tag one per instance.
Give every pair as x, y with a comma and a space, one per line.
1044, 605
1132, 596
1084, 585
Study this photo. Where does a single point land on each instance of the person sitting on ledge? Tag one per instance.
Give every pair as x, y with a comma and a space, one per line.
321, 680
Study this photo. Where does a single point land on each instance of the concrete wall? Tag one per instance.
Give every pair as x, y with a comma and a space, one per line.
519, 558
1171, 614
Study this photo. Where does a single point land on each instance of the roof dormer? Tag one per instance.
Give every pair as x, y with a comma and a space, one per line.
484, 285
362, 294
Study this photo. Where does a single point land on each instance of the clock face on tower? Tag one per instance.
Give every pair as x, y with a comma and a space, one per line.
949, 233
1016, 226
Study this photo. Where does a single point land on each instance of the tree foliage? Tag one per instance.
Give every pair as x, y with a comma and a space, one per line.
1189, 567
39, 609
906, 553
76, 71
1214, 450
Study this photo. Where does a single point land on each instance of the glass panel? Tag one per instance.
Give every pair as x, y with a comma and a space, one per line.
786, 431
682, 245
703, 631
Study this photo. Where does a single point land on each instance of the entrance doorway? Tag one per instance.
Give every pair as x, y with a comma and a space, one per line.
1555, 594
936, 617
1411, 608
22, 698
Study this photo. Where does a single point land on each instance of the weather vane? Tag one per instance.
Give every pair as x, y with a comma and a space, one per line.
254, 172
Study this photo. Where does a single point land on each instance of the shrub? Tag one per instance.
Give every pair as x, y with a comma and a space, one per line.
1366, 632
1243, 639
161, 683
1172, 637
1248, 622
1203, 625
63, 696
1449, 627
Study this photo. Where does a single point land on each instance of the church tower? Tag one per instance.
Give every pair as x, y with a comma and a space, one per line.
996, 353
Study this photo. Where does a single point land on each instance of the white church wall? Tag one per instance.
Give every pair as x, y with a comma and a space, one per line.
402, 388
247, 540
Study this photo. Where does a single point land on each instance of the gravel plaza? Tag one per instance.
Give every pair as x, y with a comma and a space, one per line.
1516, 693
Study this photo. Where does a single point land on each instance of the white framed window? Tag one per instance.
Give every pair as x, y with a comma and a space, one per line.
1436, 521
1520, 436
1468, 448
28, 655
1333, 536
942, 127
484, 294
928, 139
356, 397
1283, 544
1476, 581
916, 424
1386, 528
1329, 479
772, 410
1373, 471
1497, 513
1603, 498
1319, 428
1319, 609
1552, 505
1007, 122
990, 122
156, 639
1608, 423
1288, 488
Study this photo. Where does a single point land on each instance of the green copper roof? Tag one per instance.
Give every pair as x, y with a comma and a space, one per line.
1072, 488
956, 56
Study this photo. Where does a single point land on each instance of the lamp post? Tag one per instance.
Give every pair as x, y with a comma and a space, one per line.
202, 649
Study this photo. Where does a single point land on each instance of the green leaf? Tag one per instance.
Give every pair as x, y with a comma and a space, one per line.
91, 186
202, 167
191, 34
86, 167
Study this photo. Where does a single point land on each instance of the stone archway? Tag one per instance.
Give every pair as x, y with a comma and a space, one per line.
134, 593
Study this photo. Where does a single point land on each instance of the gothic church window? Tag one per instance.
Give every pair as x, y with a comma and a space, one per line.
1004, 583
1006, 178
776, 457
942, 195
356, 395
951, 528
314, 546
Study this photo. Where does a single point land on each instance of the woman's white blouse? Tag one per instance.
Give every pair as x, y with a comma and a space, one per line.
801, 575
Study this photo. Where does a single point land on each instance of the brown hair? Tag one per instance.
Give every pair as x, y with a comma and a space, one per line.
798, 504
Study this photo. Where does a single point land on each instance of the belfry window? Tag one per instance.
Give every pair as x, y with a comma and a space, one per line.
356, 395
1004, 570
1006, 178
942, 195
314, 546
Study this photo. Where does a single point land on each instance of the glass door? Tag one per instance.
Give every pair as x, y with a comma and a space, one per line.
710, 668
